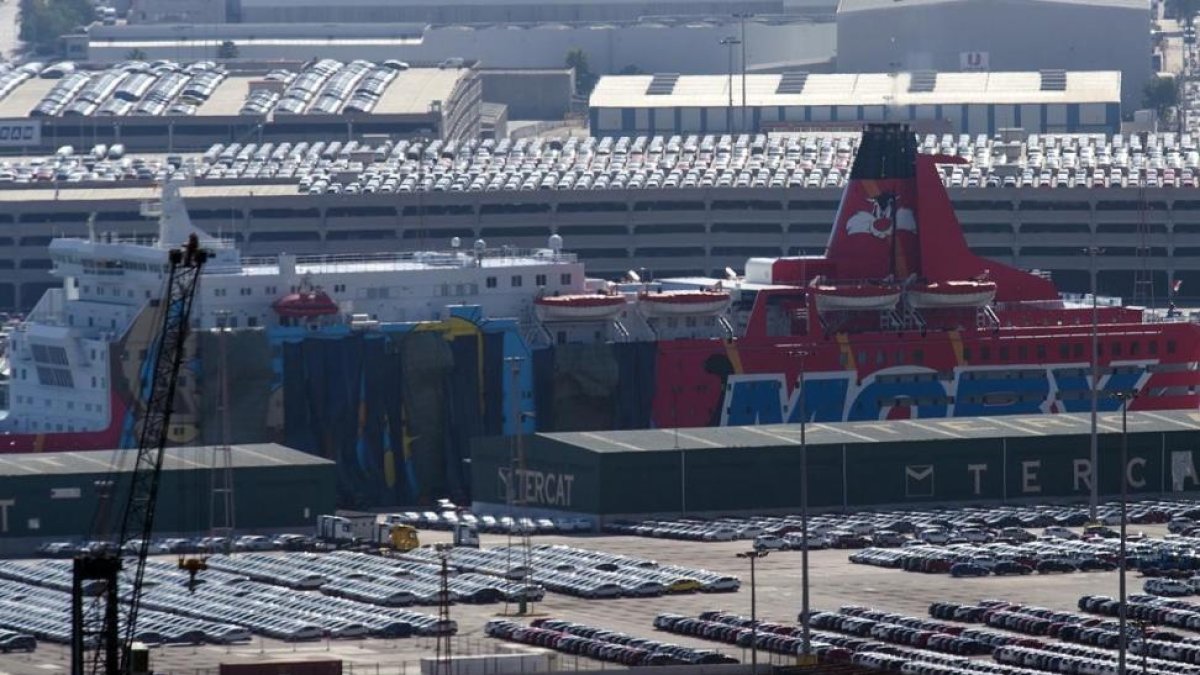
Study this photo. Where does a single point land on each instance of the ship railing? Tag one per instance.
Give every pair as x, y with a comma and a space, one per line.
454, 258
1180, 316
1029, 305
1086, 299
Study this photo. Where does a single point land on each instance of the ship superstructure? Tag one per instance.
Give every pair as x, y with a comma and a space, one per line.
60, 355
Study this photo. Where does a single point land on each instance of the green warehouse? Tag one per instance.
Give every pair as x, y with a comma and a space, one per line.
47, 497
852, 465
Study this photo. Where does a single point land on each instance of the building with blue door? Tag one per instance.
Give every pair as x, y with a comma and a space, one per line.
1048, 101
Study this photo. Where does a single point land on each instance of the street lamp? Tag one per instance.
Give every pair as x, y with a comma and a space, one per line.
1123, 637
1094, 504
730, 42
753, 556
741, 17
805, 629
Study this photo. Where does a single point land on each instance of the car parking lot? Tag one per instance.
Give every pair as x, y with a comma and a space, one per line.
624, 163
835, 583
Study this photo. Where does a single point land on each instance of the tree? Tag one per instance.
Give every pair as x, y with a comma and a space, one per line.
228, 50
585, 79
43, 22
1182, 9
1161, 93
136, 54
631, 69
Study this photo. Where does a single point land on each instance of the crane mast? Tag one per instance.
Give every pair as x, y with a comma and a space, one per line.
100, 640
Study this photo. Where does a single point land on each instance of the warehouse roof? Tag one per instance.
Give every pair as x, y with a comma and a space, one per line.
864, 5
175, 459
890, 431
880, 89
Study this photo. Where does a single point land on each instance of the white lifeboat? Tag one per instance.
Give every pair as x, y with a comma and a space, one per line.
856, 297
946, 294
578, 307
683, 303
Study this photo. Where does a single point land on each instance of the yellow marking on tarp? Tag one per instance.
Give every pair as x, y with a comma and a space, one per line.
956, 344
844, 345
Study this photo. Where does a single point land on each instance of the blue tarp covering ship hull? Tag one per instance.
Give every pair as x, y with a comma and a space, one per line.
586, 387
395, 410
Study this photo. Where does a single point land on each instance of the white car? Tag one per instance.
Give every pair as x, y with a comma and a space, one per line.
769, 542
720, 534
1059, 532
934, 536
975, 535
1167, 588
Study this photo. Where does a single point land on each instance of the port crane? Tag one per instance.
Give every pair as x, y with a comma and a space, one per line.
102, 626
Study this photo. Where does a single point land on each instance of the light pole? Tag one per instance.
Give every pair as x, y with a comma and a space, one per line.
805, 629
730, 42
741, 17
1094, 503
1123, 638
753, 556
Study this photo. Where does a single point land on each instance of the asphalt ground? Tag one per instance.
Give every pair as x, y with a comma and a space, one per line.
834, 582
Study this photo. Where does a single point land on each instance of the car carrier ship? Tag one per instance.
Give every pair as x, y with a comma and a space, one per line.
392, 363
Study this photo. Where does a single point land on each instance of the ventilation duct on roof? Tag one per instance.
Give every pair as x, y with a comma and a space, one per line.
922, 81
662, 84
1054, 80
792, 83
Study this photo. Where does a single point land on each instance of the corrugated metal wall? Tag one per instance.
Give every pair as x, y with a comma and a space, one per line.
852, 475
63, 506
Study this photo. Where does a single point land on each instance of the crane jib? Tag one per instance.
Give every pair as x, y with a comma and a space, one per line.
98, 643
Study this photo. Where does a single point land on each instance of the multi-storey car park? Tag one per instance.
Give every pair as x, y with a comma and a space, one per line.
1036, 204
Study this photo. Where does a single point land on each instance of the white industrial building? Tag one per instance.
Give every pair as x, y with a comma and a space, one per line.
481, 11
998, 35
674, 45
974, 103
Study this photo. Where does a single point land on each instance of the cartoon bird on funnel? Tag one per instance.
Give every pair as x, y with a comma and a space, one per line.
884, 217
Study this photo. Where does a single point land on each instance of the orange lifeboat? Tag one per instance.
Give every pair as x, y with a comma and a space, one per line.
305, 304
948, 294
856, 297
578, 307
683, 303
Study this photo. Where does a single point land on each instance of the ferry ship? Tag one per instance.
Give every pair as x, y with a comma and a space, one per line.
391, 363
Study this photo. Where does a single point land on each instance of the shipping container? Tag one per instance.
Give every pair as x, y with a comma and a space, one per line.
322, 667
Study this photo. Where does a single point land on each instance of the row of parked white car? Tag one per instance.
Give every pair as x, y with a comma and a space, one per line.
131, 88
224, 608
44, 614
584, 572
365, 578
738, 161
942, 526
448, 518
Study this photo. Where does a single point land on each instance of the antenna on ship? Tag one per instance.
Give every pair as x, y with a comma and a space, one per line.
221, 520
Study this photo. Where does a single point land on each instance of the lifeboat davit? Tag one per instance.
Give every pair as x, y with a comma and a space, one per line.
938, 294
856, 297
683, 303
578, 307
305, 304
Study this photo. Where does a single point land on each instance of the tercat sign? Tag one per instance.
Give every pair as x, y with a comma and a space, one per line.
19, 133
